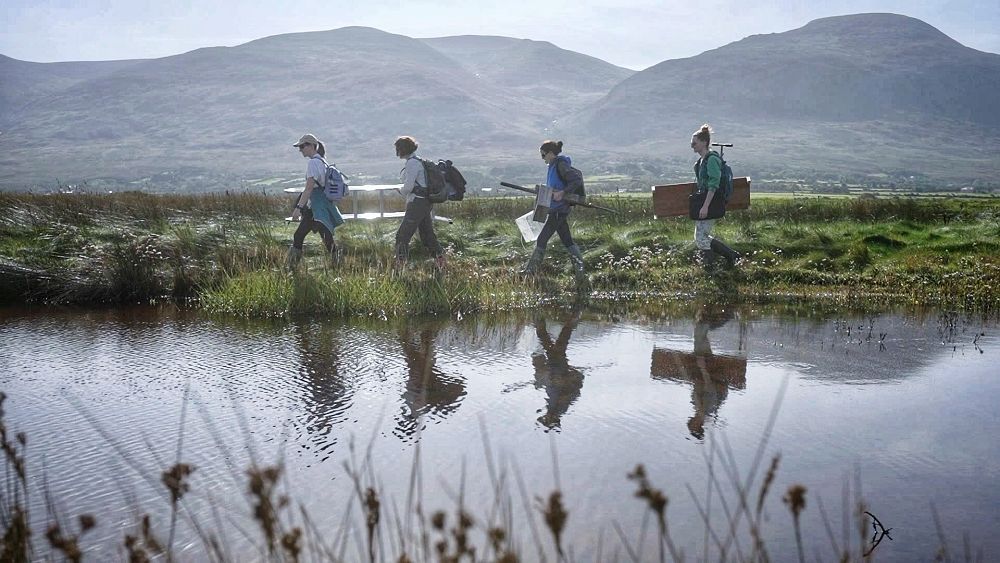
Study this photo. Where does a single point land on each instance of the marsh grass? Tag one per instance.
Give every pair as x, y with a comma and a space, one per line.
226, 252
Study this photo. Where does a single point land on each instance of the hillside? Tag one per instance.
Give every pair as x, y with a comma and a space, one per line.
235, 110
24, 82
850, 81
867, 94
553, 80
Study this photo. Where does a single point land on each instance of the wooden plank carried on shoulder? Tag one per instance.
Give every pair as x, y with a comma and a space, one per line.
676, 365
671, 200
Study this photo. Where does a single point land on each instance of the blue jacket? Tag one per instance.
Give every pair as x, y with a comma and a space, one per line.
557, 183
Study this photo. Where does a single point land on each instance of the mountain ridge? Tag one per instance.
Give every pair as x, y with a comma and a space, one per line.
830, 86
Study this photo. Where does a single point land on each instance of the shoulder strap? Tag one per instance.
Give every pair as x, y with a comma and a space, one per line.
325, 165
703, 162
423, 164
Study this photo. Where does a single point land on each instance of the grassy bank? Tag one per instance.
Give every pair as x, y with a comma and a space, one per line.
226, 252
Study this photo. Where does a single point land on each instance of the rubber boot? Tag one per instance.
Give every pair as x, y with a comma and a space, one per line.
293, 258
535, 262
729, 254
576, 257
707, 258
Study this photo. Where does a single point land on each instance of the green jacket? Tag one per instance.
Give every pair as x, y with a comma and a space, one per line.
709, 175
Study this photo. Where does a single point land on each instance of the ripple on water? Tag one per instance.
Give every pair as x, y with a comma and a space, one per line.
306, 389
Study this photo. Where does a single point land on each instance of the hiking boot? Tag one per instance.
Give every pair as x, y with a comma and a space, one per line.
534, 262
729, 254
293, 258
576, 257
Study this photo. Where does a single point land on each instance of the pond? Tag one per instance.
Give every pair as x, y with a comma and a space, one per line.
896, 408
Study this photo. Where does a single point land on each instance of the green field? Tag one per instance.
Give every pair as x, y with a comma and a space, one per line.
226, 253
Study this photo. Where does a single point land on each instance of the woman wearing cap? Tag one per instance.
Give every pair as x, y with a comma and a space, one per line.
418, 208
317, 213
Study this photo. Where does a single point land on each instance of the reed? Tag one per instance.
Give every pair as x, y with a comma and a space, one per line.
384, 531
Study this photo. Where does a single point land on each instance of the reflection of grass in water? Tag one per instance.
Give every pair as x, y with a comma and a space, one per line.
228, 251
506, 530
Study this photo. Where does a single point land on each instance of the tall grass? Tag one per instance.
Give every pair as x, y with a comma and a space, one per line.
227, 251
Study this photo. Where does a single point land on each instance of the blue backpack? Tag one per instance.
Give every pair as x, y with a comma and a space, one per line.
725, 182
334, 182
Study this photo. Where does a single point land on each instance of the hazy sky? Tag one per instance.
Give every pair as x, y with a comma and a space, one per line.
630, 33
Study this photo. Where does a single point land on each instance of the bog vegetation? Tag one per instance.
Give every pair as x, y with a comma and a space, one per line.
226, 253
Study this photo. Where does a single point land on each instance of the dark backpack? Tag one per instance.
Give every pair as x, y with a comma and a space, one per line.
454, 180
571, 176
725, 181
436, 190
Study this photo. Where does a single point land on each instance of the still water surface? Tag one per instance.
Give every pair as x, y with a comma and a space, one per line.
903, 403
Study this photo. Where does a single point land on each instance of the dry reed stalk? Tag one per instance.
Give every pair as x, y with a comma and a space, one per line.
795, 499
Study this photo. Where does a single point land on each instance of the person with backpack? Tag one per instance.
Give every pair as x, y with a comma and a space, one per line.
317, 213
417, 217
563, 178
708, 171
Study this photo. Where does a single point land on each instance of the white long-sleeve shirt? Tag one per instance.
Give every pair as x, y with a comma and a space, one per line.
412, 176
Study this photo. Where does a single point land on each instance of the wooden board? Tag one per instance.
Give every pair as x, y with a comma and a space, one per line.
671, 200
676, 365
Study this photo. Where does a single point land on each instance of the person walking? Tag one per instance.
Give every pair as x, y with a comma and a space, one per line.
417, 218
317, 213
708, 171
563, 178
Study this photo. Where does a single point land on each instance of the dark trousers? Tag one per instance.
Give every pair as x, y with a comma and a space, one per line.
555, 223
417, 219
307, 225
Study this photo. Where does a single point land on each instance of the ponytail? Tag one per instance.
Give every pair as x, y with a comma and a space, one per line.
704, 134
554, 147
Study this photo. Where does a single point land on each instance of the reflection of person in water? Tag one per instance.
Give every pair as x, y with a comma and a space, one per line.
711, 375
328, 394
428, 391
708, 392
562, 382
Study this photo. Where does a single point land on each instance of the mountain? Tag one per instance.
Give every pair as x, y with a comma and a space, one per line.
865, 78
24, 82
239, 108
553, 80
861, 94
236, 110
